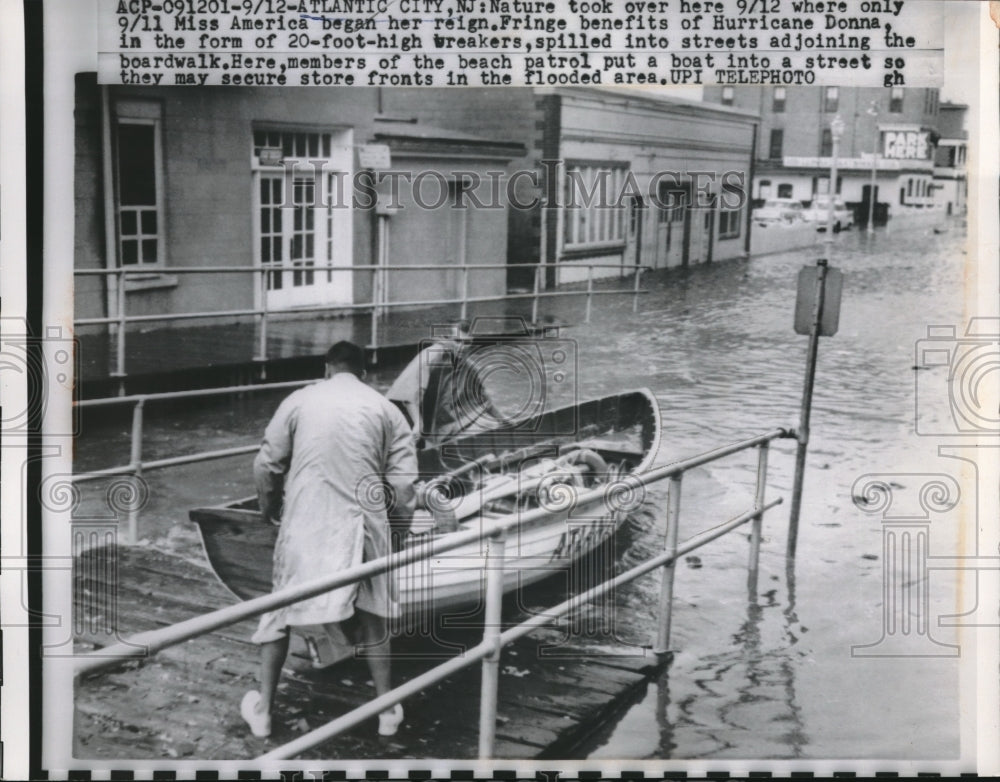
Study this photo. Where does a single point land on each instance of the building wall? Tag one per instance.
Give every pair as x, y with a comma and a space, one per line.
863, 112
507, 114
664, 141
209, 200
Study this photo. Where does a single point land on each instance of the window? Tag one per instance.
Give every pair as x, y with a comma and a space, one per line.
764, 188
778, 102
777, 141
931, 99
826, 143
831, 100
300, 222
727, 96
896, 100
593, 214
730, 215
139, 167
784, 191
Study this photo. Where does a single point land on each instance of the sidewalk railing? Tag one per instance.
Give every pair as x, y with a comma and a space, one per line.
489, 650
137, 465
377, 307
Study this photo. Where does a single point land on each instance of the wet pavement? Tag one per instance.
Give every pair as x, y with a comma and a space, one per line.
771, 678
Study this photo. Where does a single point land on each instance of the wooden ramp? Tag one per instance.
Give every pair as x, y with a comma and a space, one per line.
183, 702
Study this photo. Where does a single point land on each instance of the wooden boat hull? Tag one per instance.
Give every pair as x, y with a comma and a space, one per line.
623, 428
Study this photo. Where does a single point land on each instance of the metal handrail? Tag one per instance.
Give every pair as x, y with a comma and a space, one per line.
147, 643
378, 307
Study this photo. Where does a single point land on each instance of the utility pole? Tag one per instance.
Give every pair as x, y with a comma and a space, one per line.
873, 111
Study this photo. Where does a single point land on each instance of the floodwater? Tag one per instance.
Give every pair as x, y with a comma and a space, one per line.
771, 677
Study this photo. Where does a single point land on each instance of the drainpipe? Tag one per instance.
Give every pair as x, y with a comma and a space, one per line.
111, 282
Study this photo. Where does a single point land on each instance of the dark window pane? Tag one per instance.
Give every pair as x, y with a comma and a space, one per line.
326, 145
130, 252
265, 250
277, 221
265, 221
136, 165
314, 144
129, 224
276, 251
149, 250
264, 191
149, 222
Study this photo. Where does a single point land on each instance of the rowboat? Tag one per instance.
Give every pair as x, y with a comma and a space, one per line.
544, 461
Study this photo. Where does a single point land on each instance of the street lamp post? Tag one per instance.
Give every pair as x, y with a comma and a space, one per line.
873, 111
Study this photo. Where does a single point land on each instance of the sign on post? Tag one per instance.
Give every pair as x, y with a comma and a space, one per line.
805, 301
375, 157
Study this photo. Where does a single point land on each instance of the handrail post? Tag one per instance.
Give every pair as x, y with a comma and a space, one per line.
635, 290
135, 463
120, 336
465, 291
662, 645
491, 635
534, 301
262, 341
757, 523
590, 291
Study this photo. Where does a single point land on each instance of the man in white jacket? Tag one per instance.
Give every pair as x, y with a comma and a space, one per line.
325, 454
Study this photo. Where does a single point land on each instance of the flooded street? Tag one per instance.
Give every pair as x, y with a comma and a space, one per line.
775, 677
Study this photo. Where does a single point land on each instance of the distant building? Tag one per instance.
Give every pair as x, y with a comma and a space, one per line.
950, 179
897, 129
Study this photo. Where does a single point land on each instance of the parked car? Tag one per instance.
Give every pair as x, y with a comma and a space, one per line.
819, 210
778, 210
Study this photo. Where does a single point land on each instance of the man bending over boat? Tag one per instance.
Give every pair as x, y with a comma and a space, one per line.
324, 447
441, 391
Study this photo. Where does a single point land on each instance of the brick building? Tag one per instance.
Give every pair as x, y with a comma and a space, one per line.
897, 128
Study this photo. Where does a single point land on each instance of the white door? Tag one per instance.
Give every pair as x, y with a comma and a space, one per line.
303, 217
701, 228
670, 227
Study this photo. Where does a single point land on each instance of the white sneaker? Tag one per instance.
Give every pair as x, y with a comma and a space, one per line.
259, 721
389, 721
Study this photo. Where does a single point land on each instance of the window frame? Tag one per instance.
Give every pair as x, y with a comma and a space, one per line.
731, 220
595, 227
896, 95
778, 99
831, 100
157, 266
779, 134
826, 142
